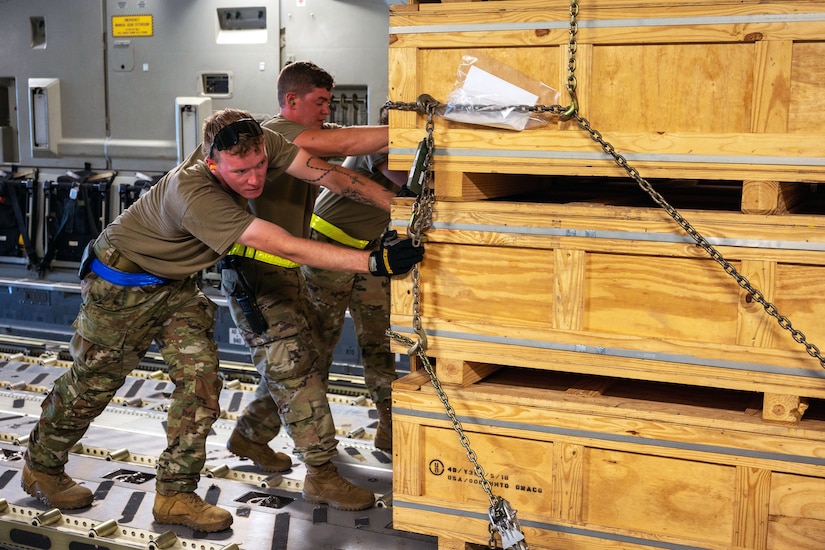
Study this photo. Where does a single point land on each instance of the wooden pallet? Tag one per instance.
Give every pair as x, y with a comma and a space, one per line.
601, 289
633, 465
722, 89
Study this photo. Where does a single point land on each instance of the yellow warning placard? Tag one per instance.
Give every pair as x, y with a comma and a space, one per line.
132, 25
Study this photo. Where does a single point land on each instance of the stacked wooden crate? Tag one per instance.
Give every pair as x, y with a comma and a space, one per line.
622, 390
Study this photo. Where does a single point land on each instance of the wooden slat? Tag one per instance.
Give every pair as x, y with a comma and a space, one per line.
556, 12
752, 505
568, 481
406, 465
534, 357
591, 386
754, 327
772, 79
568, 289
525, 153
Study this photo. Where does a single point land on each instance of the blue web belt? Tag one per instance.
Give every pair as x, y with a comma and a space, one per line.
121, 278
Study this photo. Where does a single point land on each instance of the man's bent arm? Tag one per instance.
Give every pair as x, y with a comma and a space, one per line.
342, 142
271, 238
340, 180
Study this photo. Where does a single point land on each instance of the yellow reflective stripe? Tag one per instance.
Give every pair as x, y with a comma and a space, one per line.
261, 256
387, 261
325, 228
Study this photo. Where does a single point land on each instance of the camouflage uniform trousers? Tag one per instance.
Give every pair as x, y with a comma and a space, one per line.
114, 329
293, 387
368, 300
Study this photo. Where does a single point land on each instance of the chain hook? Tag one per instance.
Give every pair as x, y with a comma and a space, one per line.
421, 344
572, 110
413, 347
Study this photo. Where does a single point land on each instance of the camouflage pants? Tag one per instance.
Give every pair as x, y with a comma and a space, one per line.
293, 387
368, 299
114, 329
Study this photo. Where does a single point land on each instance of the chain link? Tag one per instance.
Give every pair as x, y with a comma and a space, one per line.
572, 48
422, 217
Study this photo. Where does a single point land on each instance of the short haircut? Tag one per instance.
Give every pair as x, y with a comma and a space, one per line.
301, 77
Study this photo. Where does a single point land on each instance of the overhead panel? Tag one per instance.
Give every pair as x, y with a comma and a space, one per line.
242, 25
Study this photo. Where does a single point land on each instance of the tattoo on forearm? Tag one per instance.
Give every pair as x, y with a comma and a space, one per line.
350, 192
326, 170
357, 196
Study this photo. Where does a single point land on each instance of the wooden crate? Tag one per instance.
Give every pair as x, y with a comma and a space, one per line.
639, 466
705, 89
603, 289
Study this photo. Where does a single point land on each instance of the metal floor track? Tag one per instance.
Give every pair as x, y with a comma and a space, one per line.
116, 457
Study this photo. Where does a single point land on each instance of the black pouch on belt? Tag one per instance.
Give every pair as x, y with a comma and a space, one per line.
234, 284
86, 260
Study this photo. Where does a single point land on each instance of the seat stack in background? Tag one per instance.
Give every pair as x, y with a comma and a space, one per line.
620, 387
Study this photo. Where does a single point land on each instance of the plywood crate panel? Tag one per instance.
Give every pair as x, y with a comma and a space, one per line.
619, 291
704, 89
643, 465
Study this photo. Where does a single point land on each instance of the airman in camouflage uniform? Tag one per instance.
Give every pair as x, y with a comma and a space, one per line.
288, 356
286, 352
341, 221
138, 286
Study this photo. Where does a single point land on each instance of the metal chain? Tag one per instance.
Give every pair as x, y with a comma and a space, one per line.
740, 279
502, 516
422, 217
572, 48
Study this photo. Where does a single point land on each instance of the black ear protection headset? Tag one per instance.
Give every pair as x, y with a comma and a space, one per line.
230, 134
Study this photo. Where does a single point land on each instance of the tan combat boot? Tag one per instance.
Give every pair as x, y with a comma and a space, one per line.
383, 434
324, 485
57, 491
190, 510
262, 455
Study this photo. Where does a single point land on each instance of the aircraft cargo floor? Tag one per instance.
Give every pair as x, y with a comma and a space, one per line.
115, 459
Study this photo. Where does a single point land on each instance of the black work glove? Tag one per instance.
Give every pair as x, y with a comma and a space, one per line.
395, 256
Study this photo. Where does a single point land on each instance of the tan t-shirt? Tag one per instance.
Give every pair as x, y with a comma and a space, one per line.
287, 201
188, 221
358, 220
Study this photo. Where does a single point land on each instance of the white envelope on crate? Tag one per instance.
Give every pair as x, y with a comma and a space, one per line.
475, 98
481, 88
